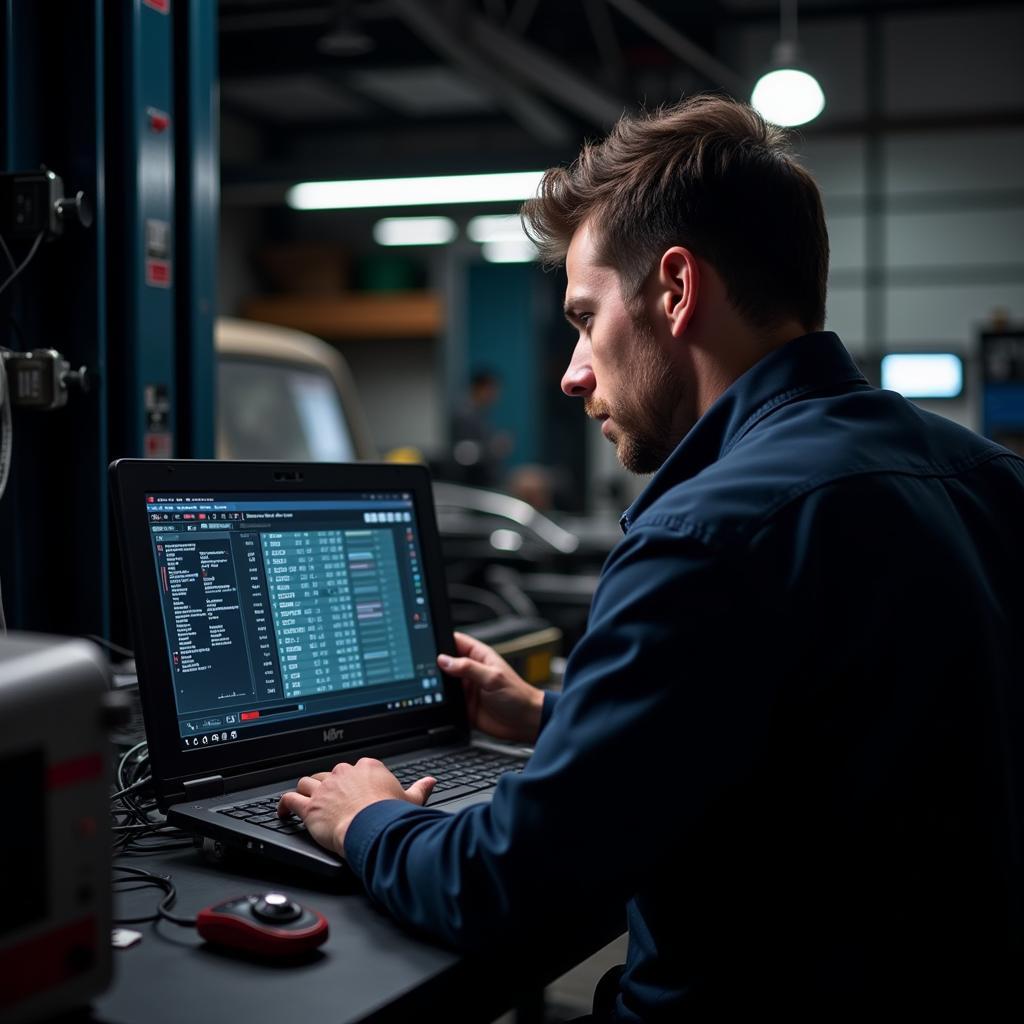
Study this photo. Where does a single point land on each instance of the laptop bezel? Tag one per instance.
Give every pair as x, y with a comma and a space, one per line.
131, 481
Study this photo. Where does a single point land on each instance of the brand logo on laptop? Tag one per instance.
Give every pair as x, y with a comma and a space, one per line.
333, 734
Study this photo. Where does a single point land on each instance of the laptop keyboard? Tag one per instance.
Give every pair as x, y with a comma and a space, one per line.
458, 774
463, 770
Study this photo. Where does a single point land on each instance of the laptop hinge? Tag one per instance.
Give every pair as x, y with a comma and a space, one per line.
441, 730
200, 789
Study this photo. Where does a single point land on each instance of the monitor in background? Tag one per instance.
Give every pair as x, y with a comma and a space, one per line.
923, 374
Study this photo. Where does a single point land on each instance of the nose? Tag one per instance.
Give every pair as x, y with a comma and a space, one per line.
579, 381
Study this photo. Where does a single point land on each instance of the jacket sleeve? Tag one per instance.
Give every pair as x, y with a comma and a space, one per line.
661, 712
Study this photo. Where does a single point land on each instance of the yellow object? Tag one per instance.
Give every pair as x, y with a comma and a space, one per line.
538, 668
405, 454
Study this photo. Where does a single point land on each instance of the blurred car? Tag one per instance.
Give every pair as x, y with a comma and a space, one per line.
283, 394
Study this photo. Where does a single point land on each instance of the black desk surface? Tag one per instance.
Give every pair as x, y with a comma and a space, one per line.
370, 969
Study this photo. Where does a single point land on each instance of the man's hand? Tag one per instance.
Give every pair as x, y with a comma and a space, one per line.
499, 701
328, 801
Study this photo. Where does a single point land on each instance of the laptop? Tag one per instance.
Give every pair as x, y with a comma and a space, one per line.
288, 617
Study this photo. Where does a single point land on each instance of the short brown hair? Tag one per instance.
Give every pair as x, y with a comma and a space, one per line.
708, 173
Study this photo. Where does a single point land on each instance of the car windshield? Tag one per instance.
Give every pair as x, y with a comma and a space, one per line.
290, 413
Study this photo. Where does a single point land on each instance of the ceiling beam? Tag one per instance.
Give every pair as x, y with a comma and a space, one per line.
609, 51
521, 16
535, 116
546, 73
681, 46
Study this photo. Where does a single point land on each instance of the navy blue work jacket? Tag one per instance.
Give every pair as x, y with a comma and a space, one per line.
791, 739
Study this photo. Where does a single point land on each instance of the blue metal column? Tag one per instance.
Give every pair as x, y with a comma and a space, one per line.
142, 242
502, 337
198, 176
148, 262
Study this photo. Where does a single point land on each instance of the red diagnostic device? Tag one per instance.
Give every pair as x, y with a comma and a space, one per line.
268, 924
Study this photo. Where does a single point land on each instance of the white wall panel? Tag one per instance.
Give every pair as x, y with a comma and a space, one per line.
845, 315
398, 384
948, 314
954, 161
846, 241
837, 165
955, 238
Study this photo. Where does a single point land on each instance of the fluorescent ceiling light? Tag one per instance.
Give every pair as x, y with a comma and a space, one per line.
505, 227
513, 251
923, 374
452, 188
414, 231
788, 97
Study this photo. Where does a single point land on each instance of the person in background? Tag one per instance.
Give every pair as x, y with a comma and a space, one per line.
791, 741
478, 450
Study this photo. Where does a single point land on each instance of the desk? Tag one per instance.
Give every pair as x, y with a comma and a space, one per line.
369, 969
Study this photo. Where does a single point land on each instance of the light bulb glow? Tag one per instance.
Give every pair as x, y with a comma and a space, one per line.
444, 189
788, 97
414, 231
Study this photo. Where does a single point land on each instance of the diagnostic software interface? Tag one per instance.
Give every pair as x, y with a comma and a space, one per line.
279, 612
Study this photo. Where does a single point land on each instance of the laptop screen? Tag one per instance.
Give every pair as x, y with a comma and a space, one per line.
284, 612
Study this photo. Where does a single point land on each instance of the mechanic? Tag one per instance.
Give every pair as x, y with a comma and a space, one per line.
790, 742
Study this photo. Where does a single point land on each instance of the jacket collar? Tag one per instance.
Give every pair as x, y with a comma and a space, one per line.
813, 362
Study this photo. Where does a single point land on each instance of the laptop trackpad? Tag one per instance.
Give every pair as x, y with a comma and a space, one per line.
466, 801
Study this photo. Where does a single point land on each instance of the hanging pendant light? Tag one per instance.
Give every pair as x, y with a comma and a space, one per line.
786, 95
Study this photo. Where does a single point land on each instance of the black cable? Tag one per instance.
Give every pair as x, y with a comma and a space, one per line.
135, 847
134, 809
132, 787
162, 882
24, 263
110, 645
7, 253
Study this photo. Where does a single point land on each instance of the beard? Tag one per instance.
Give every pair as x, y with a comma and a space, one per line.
646, 413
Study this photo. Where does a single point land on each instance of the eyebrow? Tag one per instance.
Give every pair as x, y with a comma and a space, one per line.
572, 307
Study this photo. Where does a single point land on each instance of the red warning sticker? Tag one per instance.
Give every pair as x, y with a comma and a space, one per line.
163, 6
158, 273
158, 120
158, 445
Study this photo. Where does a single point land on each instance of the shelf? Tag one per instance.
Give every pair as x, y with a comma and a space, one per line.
418, 314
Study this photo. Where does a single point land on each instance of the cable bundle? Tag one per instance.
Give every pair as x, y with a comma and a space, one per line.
134, 810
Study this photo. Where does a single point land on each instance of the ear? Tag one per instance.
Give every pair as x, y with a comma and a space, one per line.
679, 278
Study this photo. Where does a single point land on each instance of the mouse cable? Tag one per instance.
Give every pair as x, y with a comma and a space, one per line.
137, 878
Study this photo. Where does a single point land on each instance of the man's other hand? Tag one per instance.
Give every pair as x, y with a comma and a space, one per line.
328, 801
500, 702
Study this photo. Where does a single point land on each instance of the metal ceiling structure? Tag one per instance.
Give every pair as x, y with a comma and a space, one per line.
463, 85
365, 88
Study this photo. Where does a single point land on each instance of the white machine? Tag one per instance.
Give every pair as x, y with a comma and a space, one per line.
55, 853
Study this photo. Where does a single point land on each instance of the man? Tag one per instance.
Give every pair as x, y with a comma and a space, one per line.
791, 739
478, 450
